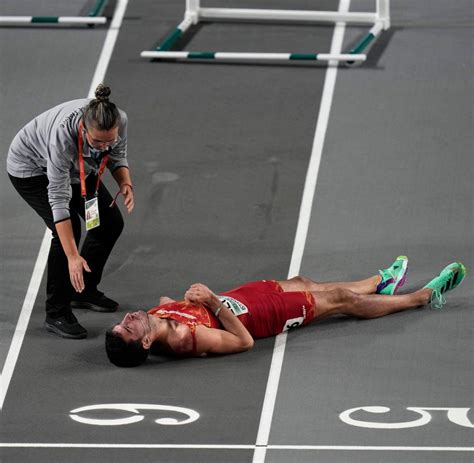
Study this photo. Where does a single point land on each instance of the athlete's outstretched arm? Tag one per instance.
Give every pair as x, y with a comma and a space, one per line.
235, 337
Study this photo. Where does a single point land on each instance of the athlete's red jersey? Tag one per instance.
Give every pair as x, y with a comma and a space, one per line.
189, 314
262, 306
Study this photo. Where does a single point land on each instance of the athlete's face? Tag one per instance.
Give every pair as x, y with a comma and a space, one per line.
134, 326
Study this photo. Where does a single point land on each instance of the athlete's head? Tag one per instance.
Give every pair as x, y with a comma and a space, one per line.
128, 343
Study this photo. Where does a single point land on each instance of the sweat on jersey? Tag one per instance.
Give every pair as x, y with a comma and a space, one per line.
48, 145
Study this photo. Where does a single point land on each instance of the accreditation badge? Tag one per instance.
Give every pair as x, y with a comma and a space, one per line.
92, 214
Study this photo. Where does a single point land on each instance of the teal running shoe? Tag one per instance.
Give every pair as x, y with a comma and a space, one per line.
393, 277
449, 278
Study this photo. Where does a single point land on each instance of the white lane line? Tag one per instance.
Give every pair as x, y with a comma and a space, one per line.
42, 258
24, 318
301, 234
108, 47
235, 447
371, 447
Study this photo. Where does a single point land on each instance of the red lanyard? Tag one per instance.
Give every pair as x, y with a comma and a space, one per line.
81, 164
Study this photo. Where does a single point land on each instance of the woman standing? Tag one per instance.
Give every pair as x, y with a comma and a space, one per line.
55, 163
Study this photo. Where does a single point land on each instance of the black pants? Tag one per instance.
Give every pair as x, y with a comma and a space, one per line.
96, 247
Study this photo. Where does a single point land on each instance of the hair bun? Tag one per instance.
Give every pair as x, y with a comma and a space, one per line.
102, 93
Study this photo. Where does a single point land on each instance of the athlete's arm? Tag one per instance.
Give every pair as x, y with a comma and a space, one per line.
166, 300
235, 337
215, 341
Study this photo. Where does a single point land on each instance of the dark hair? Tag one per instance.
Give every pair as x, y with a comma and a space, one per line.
122, 353
101, 113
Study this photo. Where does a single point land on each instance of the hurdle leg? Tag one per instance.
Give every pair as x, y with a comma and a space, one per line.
97, 8
192, 11
383, 13
90, 20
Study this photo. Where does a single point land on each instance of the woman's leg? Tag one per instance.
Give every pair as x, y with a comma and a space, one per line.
59, 317
58, 285
99, 241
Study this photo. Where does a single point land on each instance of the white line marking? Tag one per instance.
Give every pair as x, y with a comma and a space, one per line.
24, 317
234, 447
108, 47
42, 258
371, 447
301, 234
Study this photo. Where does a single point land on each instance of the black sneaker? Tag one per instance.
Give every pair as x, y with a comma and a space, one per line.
94, 300
65, 326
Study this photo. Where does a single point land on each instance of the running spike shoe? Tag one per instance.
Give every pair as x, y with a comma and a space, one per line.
393, 277
449, 278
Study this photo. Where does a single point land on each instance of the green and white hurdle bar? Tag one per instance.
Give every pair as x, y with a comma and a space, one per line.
380, 20
91, 19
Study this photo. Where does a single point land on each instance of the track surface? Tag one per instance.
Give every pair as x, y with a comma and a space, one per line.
219, 156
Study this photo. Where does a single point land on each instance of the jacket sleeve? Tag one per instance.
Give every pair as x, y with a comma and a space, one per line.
61, 153
118, 154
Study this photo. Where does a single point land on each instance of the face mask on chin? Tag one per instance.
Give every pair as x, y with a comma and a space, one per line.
96, 154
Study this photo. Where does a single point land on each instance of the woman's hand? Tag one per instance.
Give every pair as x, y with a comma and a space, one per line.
76, 266
128, 198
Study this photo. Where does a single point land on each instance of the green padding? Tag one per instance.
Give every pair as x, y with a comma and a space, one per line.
362, 44
44, 19
201, 55
170, 40
305, 56
97, 8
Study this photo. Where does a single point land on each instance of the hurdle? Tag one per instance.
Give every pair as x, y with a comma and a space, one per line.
91, 19
380, 21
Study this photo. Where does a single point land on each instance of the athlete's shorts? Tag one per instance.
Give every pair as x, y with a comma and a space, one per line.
271, 310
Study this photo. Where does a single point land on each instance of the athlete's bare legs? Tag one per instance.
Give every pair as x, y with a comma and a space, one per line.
300, 283
358, 299
386, 282
343, 301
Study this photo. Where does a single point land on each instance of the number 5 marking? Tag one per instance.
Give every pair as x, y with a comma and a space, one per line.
456, 415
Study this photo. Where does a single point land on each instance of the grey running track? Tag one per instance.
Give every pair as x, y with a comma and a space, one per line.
219, 155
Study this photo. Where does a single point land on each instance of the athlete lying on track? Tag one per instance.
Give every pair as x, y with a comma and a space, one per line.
205, 323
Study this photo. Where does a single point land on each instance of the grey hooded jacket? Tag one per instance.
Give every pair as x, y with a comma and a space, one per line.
48, 146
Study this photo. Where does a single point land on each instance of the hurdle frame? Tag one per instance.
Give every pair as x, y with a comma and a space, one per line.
194, 14
91, 19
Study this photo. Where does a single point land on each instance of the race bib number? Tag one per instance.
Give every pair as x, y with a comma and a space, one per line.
92, 214
293, 323
236, 307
